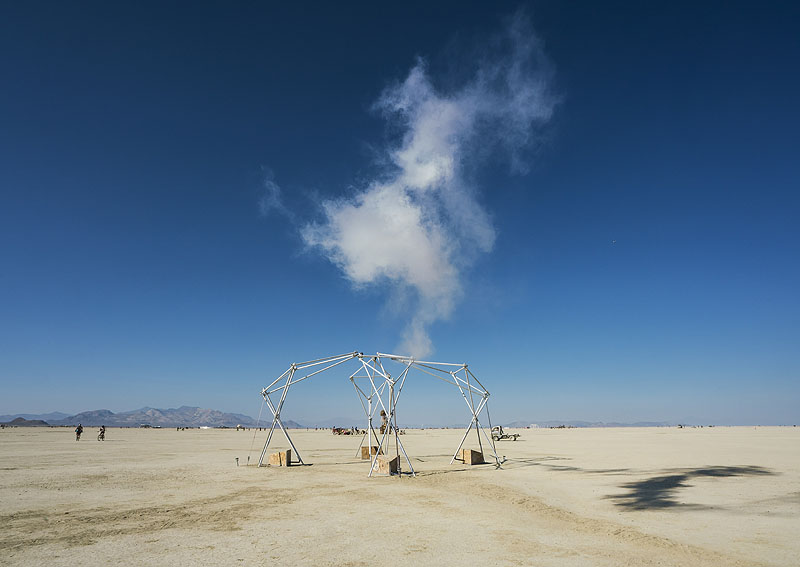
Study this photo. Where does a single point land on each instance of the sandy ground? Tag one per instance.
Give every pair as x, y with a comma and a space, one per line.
659, 496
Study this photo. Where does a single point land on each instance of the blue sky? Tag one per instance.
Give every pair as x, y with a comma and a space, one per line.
639, 257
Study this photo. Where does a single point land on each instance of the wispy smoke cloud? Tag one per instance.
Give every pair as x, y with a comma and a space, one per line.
271, 200
417, 226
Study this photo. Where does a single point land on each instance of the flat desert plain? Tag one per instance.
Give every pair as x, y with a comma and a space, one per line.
657, 496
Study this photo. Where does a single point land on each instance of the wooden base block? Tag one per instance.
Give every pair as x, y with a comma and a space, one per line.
281, 458
367, 452
471, 457
388, 465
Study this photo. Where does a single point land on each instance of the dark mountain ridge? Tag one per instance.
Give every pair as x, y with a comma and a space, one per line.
52, 416
22, 422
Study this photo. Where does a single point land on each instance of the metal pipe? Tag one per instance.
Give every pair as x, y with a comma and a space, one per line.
320, 370
276, 380
323, 360
435, 376
476, 379
468, 384
406, 357
489, 418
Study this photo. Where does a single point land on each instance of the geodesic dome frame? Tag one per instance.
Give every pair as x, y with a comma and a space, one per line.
378, 389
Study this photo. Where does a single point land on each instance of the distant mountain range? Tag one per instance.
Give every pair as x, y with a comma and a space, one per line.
52, 416
183, 416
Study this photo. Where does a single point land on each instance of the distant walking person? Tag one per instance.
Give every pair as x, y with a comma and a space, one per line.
78, 431
102, 435
385, 422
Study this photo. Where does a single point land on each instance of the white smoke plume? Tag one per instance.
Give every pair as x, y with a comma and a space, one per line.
418, 225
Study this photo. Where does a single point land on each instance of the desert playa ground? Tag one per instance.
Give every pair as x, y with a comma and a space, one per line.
657, 496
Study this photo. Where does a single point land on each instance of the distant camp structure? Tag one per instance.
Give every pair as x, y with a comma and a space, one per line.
379, 389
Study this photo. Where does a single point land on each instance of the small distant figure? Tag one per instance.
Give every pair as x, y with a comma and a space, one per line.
78, 431
385, 423
101, 436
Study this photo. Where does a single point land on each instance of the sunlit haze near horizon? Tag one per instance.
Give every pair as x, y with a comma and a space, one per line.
593, 205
